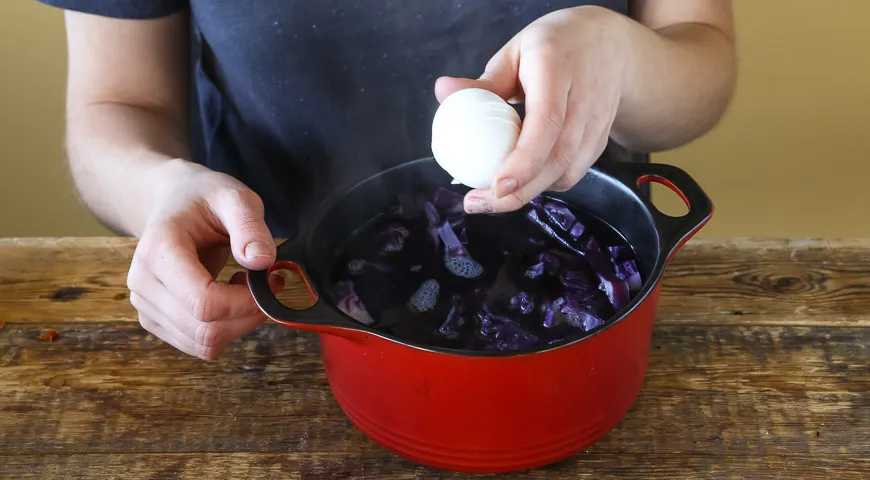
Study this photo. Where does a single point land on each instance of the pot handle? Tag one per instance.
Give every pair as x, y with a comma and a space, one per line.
674, 232
320, 317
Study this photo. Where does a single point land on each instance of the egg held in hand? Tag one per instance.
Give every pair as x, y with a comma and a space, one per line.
473, 132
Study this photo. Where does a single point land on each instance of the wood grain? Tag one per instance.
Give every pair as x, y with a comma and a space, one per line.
375, 466
733, 282
760, 368
114, 389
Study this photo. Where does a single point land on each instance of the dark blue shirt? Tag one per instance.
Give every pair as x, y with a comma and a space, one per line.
294, 97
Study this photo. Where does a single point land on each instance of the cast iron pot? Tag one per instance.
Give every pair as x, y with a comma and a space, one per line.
487, 412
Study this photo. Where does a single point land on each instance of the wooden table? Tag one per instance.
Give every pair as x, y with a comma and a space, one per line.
760, 368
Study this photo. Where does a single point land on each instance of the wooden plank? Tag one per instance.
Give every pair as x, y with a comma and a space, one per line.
378, 466
710, 390
724, 282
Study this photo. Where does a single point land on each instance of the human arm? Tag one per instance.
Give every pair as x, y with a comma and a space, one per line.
682, 74
126, 111
127, 150
588, 74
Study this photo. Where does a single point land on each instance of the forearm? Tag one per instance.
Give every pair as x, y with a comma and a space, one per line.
679, 81
117, 155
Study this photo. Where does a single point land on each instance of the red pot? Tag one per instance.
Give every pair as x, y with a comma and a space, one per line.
488, 412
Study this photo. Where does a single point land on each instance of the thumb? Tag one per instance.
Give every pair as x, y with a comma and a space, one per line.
499, 77
241, 213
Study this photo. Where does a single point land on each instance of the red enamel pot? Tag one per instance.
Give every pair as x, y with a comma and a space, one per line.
488, 412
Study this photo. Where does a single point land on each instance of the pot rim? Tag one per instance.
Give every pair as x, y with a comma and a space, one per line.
700, 211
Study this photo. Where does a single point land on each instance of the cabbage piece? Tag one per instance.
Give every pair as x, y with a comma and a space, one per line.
456, 220
523, 302
456, 257
551, 262
577, 230
502, 333
575, 280
548, 315
628, 271
395, 236
532, 215
448, 201
410, 205
535, 270
357, 265
426, 296
455, 317
537, 242
616, 289
433, 219
348, 302
578, 313
559, 214
619, 253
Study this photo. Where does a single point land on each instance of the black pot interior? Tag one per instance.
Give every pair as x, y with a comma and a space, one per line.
598, 194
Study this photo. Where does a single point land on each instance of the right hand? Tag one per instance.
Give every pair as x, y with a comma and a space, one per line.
200, 216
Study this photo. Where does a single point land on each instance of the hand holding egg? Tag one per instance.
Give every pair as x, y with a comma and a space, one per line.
569, 72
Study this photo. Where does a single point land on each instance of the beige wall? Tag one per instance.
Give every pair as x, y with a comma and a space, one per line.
792, 157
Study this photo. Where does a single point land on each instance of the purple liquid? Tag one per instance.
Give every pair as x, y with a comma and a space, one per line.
428, 294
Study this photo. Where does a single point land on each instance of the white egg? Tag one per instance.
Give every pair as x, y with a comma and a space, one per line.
473, 132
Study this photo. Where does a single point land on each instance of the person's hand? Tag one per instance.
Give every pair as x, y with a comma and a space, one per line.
198, 217
568, 68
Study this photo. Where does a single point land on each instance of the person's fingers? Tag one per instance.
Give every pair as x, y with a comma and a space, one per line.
149, 317
171, 256
241, 213
499, 77
485, 201
583, 139
201, 339
567, 150
546, 89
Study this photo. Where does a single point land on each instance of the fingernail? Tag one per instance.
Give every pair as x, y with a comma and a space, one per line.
505, 186
257, 249
477, 205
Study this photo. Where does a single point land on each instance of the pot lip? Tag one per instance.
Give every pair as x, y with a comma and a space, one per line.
653, 280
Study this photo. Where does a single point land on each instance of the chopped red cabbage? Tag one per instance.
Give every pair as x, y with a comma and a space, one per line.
579, 313
575, 280
456, 256
534, 217
551, 263
628, 271
455, 318
560, 215
548, 315
577, 230
433, 220
619, 253
535, 270
502, 333
448, 201
395, 238
410, 205
522, 302
426, 296
501, 283
349, 302
616, 289
357, 265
